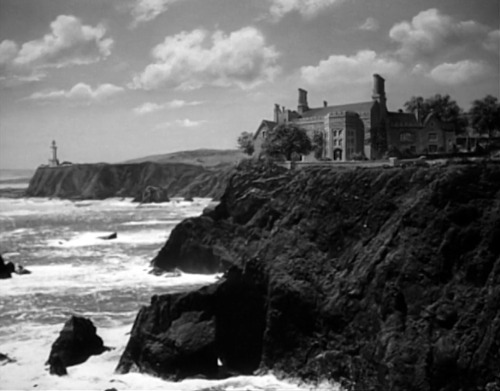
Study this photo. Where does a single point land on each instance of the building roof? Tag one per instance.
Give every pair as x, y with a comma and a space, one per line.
266, 123
353, 107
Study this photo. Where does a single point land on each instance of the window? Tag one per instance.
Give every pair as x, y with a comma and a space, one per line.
263, 134
433, 148
407, 137
334, 133
340, 133
433, 137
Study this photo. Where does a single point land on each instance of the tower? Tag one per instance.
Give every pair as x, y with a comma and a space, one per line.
53, 162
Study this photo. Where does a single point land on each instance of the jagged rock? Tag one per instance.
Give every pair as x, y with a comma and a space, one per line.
77, 341
114, 235
6, 269
382, 278
4, 359
152, 194
20, 269
185, 345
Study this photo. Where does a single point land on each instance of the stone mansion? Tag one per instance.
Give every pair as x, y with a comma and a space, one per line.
362, 128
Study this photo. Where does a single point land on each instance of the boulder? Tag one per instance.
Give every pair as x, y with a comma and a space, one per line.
112, 236
4, 359
20, 269
152, 194
77, 341
183, 347
6, 269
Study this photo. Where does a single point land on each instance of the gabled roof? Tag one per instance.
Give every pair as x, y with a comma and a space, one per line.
265, 123
353, 107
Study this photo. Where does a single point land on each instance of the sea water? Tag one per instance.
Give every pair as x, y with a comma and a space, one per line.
76, 272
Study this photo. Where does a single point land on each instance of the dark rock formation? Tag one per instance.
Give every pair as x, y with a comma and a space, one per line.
114, 235
386, 279
77, 341
20, 269
184, 345
152, 194
99, 181
6, 269
4, 359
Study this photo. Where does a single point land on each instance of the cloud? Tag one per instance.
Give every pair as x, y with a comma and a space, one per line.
307, 8
80, 93
348, 70
432, 33
150, 107
147, 10
8, 51
370, 24
458, 73
69, 43
183, 123
492, 42
190, 60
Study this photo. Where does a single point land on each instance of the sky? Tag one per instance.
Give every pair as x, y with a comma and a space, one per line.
112, 80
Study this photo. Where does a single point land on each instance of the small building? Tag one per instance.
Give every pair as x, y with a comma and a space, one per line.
368, 129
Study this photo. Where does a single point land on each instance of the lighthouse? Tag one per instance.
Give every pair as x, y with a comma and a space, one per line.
53, 162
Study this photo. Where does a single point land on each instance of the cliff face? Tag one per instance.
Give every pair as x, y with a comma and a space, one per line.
98, 181
384, 279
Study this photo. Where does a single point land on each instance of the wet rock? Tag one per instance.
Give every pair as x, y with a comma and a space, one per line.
4, 359
112, 236
77, 341
184, 346
152, 194
6, 269
20, 269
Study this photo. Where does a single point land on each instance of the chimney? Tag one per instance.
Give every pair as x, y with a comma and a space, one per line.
302, 107
325, 103
378, 88
277, 112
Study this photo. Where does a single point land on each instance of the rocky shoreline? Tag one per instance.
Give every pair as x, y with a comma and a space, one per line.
100, 181
382, 279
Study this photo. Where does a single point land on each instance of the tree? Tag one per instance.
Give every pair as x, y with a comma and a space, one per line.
446, 109
286, 140
485, 115
245, 143
318, 144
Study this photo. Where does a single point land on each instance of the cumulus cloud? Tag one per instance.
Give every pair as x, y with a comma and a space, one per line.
183, 123
342, 70
370, 24
430, 33
307, 8
147, 10
80, 93
190, 60
151, 107
492, 42
69, 43
458, 73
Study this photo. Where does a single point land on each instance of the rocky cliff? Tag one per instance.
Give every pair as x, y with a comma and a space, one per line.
384, 279
98, 181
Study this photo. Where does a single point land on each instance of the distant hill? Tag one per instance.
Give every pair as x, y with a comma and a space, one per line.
199, 157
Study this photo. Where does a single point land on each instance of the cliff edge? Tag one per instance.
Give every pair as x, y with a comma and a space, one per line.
383, 279
99, 181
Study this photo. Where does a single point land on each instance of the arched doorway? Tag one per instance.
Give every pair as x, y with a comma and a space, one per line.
337, 154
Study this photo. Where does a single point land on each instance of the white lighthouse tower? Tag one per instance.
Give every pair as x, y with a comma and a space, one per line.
54, 162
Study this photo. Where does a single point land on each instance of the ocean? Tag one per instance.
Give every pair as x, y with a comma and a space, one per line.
74, 271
